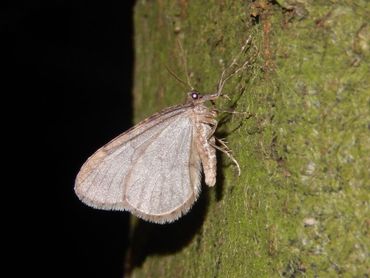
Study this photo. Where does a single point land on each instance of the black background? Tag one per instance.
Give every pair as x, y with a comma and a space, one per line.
69, 90
72, 65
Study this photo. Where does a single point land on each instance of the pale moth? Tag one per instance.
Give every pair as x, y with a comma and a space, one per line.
154, 169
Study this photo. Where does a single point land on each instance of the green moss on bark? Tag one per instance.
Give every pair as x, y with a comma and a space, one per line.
301, 206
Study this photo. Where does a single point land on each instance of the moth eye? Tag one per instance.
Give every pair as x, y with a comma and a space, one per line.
194, 95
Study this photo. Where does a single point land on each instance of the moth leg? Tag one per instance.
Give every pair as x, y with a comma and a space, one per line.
209, 119
226, 150
213, 130
213, 124
232, 112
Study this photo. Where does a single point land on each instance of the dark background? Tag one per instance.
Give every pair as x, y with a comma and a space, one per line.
72, 62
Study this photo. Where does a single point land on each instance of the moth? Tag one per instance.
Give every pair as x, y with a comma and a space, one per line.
154, 169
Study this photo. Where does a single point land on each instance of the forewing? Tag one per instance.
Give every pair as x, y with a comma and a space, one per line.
164, 180
133, 171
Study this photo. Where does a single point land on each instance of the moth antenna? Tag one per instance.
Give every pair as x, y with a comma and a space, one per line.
176, 77
233, 63
183, 56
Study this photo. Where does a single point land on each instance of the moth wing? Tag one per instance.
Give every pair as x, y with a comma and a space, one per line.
152, 170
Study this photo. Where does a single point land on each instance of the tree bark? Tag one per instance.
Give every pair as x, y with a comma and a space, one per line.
301, 205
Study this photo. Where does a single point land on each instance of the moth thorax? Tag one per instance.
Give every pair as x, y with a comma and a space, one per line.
201, 109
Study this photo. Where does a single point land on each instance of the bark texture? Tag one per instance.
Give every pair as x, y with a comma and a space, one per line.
301, 205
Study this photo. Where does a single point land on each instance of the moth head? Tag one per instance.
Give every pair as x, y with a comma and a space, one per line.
196, 97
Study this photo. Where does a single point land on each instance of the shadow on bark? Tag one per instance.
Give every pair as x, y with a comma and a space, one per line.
150, 239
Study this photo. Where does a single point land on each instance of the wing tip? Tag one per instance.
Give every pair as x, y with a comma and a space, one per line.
96, 204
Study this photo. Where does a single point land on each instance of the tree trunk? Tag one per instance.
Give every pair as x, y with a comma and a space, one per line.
300, 207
